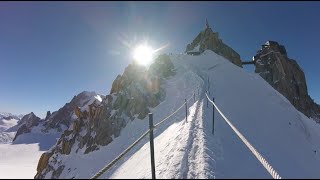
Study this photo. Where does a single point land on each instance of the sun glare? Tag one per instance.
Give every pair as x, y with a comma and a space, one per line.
143, 55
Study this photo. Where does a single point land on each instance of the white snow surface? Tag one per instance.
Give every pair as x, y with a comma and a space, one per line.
19, 161
98, 98
6, 137
286, 138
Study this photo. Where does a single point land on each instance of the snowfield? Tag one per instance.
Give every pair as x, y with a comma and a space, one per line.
286, 138
19, 161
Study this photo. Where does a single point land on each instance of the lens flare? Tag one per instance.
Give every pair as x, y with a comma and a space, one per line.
143, 54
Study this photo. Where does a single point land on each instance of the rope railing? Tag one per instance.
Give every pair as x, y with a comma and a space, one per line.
266, 165
104, 169
169, 116
172, 113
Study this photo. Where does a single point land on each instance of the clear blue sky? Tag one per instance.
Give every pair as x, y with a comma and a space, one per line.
51, 51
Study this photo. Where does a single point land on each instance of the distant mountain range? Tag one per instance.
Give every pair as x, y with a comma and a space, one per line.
8, 120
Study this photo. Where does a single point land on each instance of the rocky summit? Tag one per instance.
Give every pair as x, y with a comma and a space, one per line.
286, 76
207, 39
26, 124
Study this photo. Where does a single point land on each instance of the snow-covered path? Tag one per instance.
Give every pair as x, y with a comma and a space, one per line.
175, 151
196, 162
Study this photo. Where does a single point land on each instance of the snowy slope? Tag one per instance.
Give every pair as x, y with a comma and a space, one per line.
285, 137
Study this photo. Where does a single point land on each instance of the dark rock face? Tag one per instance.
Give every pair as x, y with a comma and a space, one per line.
208, 39
286, 76
131, 95
26, 124
48, 115
62, 117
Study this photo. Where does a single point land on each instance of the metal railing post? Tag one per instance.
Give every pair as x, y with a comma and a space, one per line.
213, 116
207, 99
185, 100
153, 169
208, 84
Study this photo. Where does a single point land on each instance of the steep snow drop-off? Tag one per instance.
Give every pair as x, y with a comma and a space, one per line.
286, 138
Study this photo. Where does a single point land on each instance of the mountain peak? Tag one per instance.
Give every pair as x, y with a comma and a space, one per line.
286, 76
209, 40
207, 24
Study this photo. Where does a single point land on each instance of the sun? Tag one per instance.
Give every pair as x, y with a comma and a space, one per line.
143, 54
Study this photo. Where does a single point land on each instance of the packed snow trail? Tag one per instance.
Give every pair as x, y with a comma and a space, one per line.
196, 162
175, 150
171, 145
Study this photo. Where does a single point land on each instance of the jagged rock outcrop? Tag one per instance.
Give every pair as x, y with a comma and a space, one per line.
207, 39
26, 124
286, 76
48, 115
131, 96
57, 121
61, 119
43, 161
